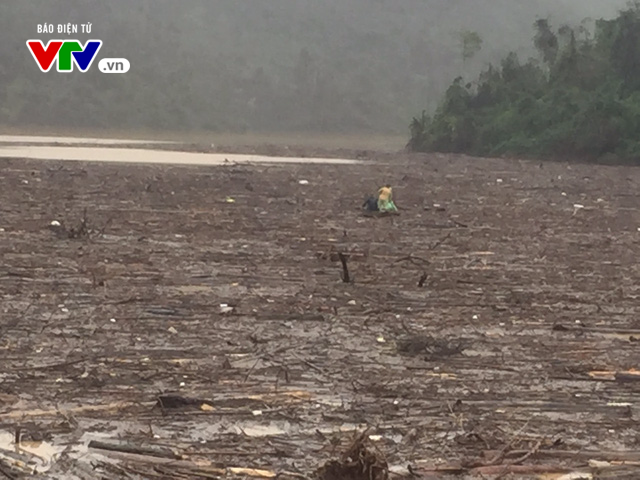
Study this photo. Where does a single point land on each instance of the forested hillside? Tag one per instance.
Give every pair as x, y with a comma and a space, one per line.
277, 65
580, 97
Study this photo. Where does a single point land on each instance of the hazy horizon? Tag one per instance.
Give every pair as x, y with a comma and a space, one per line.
286, 66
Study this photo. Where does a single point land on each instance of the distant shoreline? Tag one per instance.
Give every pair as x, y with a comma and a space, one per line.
280, 140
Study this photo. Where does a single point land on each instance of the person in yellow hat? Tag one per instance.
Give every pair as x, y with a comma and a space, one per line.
385, 200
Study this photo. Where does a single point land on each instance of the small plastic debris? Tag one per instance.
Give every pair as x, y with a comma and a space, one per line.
602, 375
112, 320
475, 317
499, 180
563, 194
224, 308
1, 229
396, 402
26, 182
182, 384
578, 206
252, 472
380, 339
576, 476
304, 182
400, 470
256, 413
230, 200
375, 438
173, 330
351, 302
65, 310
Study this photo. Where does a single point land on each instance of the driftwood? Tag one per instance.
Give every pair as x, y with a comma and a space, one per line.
522, 469
607, 460
345, 270
626, 377
490, 469
202, 468
569, 454
114, 406
152, 451
280, 317
170, 402
6, 472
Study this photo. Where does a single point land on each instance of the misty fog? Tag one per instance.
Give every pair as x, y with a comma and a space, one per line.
263, 66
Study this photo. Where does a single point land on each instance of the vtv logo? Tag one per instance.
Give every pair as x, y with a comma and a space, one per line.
67, 52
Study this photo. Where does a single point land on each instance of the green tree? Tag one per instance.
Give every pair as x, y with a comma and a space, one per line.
546, 42
470, 45
584, 100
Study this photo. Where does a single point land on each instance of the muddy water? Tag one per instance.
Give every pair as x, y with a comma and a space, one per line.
30, 457
71, 140
133, 155
40, 457
516, 374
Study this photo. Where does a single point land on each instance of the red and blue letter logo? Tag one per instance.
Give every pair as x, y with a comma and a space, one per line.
67, 52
